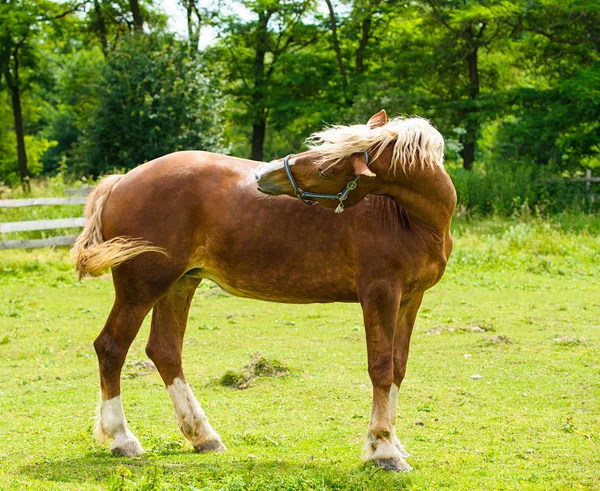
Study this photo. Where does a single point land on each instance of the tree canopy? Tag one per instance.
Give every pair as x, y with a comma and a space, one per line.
89, 86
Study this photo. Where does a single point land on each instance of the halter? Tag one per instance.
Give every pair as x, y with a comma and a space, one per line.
303, 195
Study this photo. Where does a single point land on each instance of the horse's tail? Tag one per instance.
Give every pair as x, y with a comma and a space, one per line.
91, 253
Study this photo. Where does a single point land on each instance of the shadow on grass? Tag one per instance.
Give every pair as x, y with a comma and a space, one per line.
158, 471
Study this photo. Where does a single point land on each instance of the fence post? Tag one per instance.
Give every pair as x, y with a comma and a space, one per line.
588, 180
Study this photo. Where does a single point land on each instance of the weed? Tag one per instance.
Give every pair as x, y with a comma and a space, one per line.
569, 341
259, 366
496, 340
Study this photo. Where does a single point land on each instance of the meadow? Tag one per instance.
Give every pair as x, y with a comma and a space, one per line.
502, 390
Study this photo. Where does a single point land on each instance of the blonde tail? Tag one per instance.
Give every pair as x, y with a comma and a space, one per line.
93, 255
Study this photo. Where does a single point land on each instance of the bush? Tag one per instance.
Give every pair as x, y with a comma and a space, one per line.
506, 190
153, 100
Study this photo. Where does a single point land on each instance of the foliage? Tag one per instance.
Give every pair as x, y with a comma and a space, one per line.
152, 100
512, 85
507, 190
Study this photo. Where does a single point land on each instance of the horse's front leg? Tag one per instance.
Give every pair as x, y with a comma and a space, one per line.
380, 301
404, 328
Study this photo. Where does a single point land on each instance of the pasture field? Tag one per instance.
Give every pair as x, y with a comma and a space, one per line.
519, 306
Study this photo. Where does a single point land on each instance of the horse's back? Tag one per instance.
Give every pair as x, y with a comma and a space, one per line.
164, 194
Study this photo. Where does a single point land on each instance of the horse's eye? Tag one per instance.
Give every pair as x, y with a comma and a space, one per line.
321, 174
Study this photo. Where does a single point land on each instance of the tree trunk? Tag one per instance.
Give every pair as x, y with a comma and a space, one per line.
258, 140
101, 26
13, 83
193, 27
338, 51
468, 153
18, 117
472, 123
364, 40
138, 20
259, 113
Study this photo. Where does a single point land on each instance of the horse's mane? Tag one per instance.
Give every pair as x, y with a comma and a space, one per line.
415, 141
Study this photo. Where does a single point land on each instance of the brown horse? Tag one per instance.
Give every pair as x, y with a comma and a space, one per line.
168, 224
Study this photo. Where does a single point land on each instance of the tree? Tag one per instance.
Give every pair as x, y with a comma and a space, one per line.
353, 37
21, 23
554, 120
195, 19
138, 20
109, 21
254, 50
470, 27
152, 100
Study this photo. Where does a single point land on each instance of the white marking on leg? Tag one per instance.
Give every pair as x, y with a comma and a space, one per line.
191, 418
394, 389
380, 446
111, 424
394, 404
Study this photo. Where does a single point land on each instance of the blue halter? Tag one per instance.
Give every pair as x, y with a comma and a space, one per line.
305, 196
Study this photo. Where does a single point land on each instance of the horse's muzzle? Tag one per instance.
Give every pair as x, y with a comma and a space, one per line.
265, 184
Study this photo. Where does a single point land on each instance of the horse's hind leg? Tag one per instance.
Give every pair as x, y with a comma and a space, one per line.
111, 347
169, 320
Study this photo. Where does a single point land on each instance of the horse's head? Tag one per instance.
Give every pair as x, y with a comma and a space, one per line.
311, 174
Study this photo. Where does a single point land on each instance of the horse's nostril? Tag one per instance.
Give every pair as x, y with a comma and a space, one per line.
259, 173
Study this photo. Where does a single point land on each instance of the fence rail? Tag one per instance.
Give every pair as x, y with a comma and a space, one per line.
61, 240
31, 225
50, 224
18, 203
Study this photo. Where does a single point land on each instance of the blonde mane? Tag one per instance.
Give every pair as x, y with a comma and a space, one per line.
415, 141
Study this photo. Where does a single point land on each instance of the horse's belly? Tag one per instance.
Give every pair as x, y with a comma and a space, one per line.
291, 289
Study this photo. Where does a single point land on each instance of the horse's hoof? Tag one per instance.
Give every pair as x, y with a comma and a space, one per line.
210, 446
401, 449
393, 464
127, 448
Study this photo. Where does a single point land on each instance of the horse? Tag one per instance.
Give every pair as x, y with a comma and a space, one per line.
170, 223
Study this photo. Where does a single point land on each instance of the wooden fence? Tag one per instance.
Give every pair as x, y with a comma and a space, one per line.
54, 224
588, 179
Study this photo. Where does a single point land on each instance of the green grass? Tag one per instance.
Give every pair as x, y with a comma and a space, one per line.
519, 306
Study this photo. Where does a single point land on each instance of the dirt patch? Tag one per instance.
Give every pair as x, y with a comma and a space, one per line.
569, 341
461, 329
139, 368
496, 340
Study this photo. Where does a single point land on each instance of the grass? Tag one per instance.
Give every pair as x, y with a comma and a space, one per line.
502, 391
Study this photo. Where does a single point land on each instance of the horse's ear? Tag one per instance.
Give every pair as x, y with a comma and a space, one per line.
360, 165
377, 120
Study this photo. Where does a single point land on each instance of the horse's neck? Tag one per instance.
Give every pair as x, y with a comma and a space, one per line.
427, 197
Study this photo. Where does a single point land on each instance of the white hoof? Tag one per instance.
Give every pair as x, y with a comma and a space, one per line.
400, 447
127, 445
382, 450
